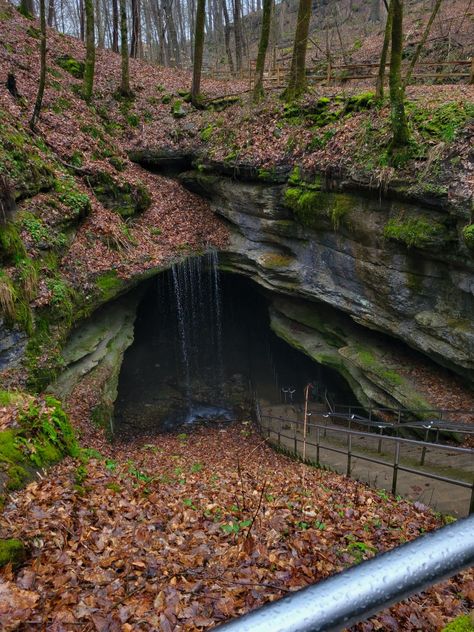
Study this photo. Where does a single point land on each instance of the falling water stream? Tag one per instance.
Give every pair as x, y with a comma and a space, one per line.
198, 306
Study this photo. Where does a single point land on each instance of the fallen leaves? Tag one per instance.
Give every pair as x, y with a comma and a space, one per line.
139, 543
16, 605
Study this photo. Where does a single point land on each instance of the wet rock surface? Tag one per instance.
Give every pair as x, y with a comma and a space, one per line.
423, 296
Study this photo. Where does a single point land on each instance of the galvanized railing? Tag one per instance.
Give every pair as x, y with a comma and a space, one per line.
363, 590
349, 433
403, 414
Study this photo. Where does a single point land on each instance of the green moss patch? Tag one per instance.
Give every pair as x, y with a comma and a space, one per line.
442, 123
109, 284
370, 363
73, 66
41, 436
468, 236
276, 261
310, 206
29, 170
464, 623
416, 232
121, 197
12, 552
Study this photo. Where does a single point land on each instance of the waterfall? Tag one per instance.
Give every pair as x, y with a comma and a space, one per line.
196, 288
182, 328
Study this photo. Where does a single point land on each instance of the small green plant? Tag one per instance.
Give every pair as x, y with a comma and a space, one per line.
177, 109
188, 502
196, 467
35, 228
302, 525
235, 526
61, 105
77, 202
80, 475
207, 132
133, 120
143, 477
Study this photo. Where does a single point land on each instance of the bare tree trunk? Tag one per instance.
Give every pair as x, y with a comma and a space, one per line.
421, 43
172, 36
297, 83
99, 21
198, 51
379, 88
163, 53
192, 27
397, 92
27, 8
42, 81
258, 92
227, 37
51, 13
115, 26
375, 11
125, 81
238, 34
90, 51
136, 29
82, 21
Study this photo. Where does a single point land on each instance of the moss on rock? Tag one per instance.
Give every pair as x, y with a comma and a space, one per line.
417, 232
71, 65
121, 197
468, 236
310, 206
42, 436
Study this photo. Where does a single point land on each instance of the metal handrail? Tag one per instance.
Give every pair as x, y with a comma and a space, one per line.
363, 590
396, 466
401, 411
428, 424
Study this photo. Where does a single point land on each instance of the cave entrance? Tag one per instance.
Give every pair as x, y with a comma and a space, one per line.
203, 348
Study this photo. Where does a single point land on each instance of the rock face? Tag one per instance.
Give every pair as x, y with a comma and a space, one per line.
96, 349
12, 346
383, 266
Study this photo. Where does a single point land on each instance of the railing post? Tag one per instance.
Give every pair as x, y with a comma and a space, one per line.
471, 504
296, 444
349, 454
379, 449
317, 445
423, 451
395, 468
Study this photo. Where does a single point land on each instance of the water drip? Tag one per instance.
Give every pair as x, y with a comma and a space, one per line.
196, 289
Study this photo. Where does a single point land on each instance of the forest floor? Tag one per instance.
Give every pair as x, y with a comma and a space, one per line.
183, 531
